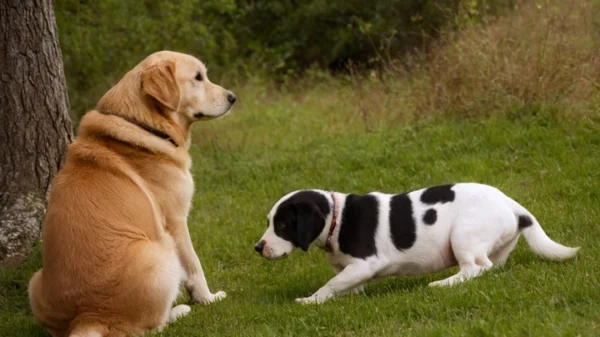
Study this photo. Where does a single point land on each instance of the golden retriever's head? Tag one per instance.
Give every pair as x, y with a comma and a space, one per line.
179, 83
161, 96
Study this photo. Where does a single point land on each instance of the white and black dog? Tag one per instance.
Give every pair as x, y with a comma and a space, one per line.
375, 235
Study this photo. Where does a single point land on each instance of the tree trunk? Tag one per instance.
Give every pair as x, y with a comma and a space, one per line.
34, 119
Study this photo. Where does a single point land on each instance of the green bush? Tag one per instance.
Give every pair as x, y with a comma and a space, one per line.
236, 38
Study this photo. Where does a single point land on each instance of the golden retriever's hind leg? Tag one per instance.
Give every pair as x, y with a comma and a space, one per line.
35, 294
41, 310
176, 313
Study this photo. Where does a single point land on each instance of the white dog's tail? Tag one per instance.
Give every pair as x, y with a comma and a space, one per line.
543, 246
537, 239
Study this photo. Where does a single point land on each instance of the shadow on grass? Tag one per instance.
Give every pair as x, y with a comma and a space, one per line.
296, 287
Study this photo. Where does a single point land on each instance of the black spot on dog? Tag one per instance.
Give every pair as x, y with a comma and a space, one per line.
358, 226
442, 193
402, 224
301, 218
430, 216
524, 221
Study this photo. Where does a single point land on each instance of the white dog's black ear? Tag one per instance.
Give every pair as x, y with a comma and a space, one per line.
310, 221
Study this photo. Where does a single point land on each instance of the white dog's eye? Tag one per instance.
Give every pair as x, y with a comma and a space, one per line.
280, 225
198, 77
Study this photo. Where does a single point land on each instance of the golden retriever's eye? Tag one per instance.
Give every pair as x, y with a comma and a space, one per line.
198, 77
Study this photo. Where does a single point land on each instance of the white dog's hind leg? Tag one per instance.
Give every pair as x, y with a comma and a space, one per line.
352, 276
470, 267
500, 256
475, 234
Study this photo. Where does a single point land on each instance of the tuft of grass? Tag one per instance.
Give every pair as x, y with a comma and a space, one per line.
544, 52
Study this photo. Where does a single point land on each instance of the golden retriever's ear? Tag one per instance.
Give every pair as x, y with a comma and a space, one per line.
159, 82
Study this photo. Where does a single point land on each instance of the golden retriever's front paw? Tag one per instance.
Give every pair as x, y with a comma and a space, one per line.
219, 295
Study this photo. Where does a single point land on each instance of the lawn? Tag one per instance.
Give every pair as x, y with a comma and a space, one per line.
244, 162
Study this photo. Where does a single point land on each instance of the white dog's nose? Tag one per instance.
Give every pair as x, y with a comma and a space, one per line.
260, 246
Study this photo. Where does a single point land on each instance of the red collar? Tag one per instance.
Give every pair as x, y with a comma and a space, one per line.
328, 247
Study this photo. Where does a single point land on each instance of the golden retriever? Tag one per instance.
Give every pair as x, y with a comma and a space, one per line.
116, 244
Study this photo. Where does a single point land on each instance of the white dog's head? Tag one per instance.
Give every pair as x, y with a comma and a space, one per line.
296, 220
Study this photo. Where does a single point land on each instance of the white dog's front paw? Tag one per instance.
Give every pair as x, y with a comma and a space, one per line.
219, 295
313, 299
441, 283
307, 300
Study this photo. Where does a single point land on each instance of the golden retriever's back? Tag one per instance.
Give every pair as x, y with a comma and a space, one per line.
99, 210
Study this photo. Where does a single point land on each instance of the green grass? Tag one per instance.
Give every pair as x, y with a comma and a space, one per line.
271, 145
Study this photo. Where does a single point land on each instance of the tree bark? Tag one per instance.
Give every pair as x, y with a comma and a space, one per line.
34, 118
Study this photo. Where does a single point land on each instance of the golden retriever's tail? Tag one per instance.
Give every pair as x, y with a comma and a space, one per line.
80, 327
89, 333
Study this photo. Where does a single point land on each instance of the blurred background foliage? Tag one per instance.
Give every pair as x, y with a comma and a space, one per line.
383, 61
238, 39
